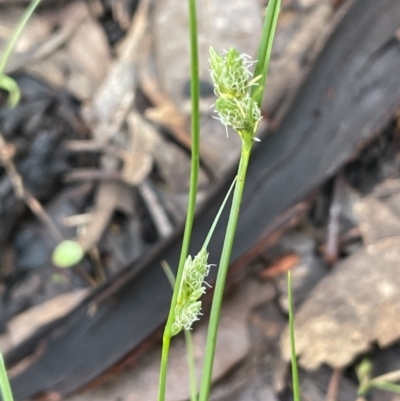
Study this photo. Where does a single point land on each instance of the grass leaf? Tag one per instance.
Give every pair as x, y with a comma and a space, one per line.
4, 382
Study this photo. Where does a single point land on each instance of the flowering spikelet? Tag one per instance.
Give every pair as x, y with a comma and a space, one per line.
229, 73
188, 307
242, 115
232, 79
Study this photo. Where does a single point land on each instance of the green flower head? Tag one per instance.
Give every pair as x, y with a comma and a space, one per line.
243, 115
232, 80
230, 73
185, 316
191, 289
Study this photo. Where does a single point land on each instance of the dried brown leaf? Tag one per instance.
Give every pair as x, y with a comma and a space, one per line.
355, 306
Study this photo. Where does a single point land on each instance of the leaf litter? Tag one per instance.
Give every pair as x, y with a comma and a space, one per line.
358, 304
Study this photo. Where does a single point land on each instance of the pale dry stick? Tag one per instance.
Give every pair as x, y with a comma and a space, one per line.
77, 220
91, 174
6, 160
82, 145
388, 377
333, 387
332, 244
158, 214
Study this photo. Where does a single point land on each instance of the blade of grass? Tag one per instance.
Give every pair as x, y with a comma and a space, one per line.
195, 160
393, 388
5, 83
16, 33
10, 85
295, 374
265, 49
214, 224
4, 382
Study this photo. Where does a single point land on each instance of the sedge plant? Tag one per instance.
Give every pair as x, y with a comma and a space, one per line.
171, 324
239, 96
188, 305
239, 101
190, 291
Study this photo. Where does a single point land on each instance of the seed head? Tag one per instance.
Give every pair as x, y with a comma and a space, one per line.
185, 316
191, 289
230, 73
232, 80
243, 115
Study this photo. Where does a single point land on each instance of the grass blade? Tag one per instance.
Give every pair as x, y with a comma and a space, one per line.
194, 173
7, 83
4, 382
295, 374
265, 49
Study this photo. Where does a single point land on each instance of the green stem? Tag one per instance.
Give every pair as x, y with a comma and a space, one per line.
188, 340
265, 49
195, 158
4, 382
393, 388
222, 272
216, 219
295, 373
191, 364
16, 34
164, 364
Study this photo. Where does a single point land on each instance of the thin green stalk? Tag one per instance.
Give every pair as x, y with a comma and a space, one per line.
393, 388
195, 159
222, 207
188, 340
191, 364
10, 85
222, 272
16, 34
295, 373
6, 82
265, 49
4, 382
